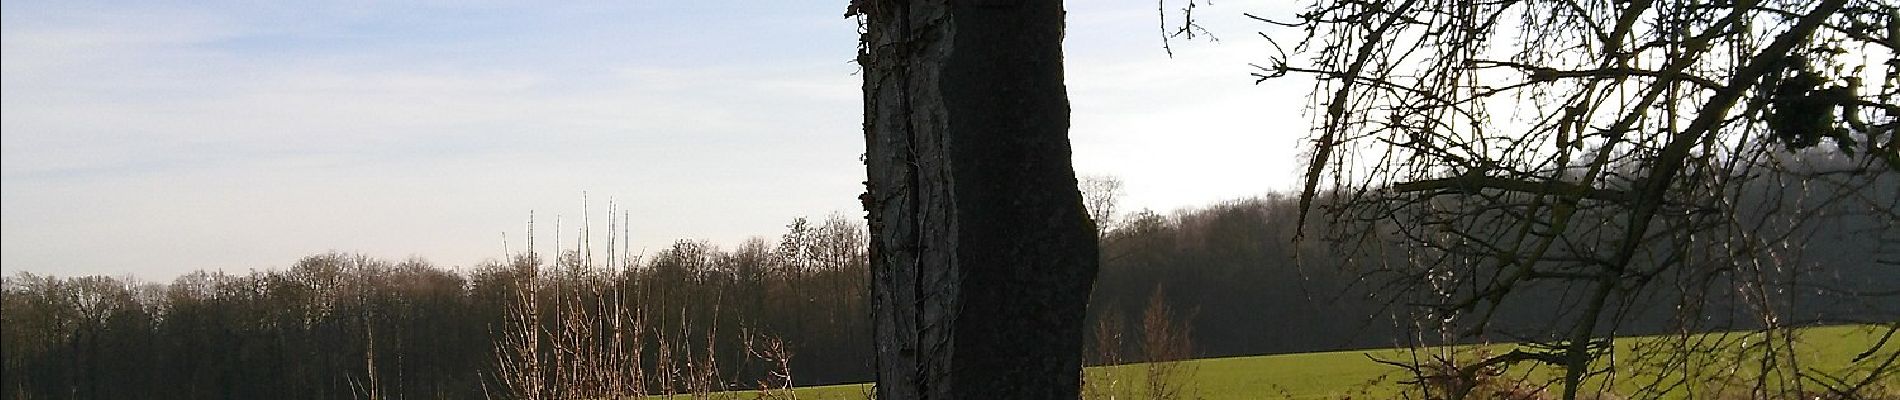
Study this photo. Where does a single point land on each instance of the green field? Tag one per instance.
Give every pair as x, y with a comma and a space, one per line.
1339, 374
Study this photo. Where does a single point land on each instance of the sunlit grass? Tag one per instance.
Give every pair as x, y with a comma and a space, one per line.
1329, 375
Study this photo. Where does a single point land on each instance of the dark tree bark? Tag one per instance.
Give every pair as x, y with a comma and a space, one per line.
982, 255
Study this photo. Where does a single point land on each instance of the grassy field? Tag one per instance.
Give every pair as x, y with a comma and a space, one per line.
1341, 374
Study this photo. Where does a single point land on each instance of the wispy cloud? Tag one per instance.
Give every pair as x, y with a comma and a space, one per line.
237, 136
155, 138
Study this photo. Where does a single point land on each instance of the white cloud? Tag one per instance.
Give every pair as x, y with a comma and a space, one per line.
171, 155
158, 141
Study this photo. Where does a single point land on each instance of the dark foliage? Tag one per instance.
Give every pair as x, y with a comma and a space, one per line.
1231, 272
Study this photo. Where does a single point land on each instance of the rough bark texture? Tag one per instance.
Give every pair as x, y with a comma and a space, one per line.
982, 255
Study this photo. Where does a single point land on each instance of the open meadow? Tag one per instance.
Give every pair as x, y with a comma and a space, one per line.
1354, 373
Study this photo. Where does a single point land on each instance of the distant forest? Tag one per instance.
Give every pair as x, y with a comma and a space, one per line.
701, 316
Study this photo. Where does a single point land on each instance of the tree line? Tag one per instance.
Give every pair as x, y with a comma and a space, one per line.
699, 317
350, 326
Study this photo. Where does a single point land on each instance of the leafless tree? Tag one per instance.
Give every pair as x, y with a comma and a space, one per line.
1597, 152
1102, 195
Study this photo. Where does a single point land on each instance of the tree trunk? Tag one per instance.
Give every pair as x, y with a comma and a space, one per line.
982, 256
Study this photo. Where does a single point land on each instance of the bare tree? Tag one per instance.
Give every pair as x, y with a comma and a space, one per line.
1588, 152
982, 255
1102, 195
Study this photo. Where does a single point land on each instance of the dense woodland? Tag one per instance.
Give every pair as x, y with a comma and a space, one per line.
702, 317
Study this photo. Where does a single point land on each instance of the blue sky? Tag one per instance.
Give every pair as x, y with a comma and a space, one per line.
153, 138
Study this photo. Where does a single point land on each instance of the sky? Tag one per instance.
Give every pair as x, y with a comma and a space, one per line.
154, 138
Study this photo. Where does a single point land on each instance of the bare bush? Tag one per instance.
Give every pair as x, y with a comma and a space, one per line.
1165, 347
